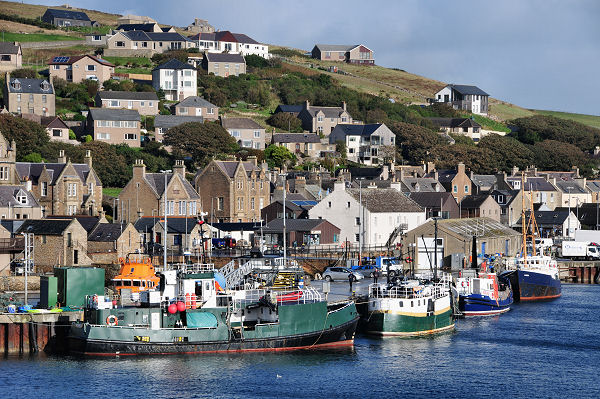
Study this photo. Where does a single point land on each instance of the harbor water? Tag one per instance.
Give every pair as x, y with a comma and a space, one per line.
543, 350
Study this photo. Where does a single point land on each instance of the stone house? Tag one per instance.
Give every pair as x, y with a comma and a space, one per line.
162, 123
306, 144
456, 241
63, 188
57, 243
176, 79
463, 126
480, 205
354, 54
323, 120
11, 56
540, 190
16, 202
184, 235
197, 106
135, 19
464, 98
234, 191
370, 144
32, 96
573, 192
456, 181
108, 242
560, 222
137, 43
145, 103
200, 26
114, 126
56, 128
62, 17
437, 204
245, 131
371, 216
144, 194
301, 232
293, 209
79, 68
224, 64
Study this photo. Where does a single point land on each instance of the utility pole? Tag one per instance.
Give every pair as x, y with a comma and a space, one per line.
435, 239
284, 175
165, 172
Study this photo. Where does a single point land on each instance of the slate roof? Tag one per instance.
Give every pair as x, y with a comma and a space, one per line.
424, 184
8, 197
570, 186
329, 112
555, 217
33, 86
49, 227
143, 27
229, 167
482, 227
236, 226
225, 57
484, 180
87, 222
466, 89
473, 201
296, 138
105, 232
157, 182
33, 170
169, 121
140, 35
224, 36
174, 63
454, 122
534, 183
128, 95
195, 101
353, 130
384, 200
593, 185
446, 176
108, 114
146, 223
8, 48
240, 123
294, 109
430, 199
70, 60
68, 14
276, 225
242, 38
368, 173
335, 47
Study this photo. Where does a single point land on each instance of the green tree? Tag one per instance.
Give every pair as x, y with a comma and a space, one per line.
24, 73
277, 156
29, 136
33, 157
340, 148
286, 122
200, 141
416, 143
537, 128
507, 152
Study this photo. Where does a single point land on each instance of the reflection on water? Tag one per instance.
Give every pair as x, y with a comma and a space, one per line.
535, 350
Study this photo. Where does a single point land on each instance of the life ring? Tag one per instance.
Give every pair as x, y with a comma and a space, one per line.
463, 284
112, 320
148, 261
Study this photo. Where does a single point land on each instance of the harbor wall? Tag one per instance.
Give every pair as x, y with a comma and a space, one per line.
581, 272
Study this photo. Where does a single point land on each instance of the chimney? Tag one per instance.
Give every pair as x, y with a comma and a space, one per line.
430, 167
575, 171
340, 184
61, 157
396, 186
401, 174
344, 105
179, 167
514, 171
306, 104
461, 167
28, 184
385, 173
88, 158
139, 169
300, 184
140, 213
253, 159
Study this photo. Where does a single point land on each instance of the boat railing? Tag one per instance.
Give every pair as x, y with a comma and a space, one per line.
379, 290
189, 268
289, 297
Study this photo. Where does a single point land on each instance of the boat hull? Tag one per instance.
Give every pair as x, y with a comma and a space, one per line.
384, 323
530, 286
482, 305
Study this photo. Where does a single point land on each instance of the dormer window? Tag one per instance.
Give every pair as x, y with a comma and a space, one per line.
16, 84
22, 198
45, 85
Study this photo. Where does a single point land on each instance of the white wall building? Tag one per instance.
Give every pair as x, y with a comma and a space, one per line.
383, 210
233, 43
177, 79
370, 144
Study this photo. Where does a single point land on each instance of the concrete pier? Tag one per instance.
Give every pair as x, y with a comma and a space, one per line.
582, 272
25, 333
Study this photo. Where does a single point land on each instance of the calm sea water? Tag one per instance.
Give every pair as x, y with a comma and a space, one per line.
542, 350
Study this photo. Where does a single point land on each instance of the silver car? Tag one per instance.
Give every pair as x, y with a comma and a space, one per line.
341, 274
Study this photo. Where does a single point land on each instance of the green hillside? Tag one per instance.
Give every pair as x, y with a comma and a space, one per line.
590, 120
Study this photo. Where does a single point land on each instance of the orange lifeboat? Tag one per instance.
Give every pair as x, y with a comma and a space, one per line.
136, 274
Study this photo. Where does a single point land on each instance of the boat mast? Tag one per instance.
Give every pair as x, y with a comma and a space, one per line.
523, 227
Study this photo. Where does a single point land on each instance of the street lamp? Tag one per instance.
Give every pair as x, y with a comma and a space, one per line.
166, 173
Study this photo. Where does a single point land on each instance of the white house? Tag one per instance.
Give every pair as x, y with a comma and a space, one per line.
383, 211
367, 144
228, 42
177, 79
463, 97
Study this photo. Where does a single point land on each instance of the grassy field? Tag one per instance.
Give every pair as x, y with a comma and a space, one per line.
36, 11
590, 120
36, 37
42, 56
111, 191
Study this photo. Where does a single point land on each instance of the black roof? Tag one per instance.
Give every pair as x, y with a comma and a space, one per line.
466, 89
430, 199
174, 63
49, 227
276, 225
545, 218
109, 114
105, 232
224, 57
473, 201
357, 130
87, 222
8, 48
142, 27
58, 13
288, 108
372, 173
33, 86
237, 226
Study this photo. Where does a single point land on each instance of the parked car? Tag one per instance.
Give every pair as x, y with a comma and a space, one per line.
341, 274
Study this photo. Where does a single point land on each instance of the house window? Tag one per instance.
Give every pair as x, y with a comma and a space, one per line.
193, 209
97, 38
320, 129
329, 204
56, 133
320, 118
4, 173
170, 207
91, 68
252, 203
357, 237
72, 190
119, 44
56, 67
31, 98
44, 189
72, 211
44, 99
130, 136
182, 208
22, 198
91, 188
103, 136
114, 103
235, 133
240, 184
257, 134
261, 203
211, 111
455, 189
466, 189
348, 204
357, 221
240, 203
344, 119
220, 203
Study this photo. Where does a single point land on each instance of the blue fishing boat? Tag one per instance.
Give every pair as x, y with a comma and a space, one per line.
484, 295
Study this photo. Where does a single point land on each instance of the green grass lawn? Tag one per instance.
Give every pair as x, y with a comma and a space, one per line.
590, 120
111, 191
142, 61
36, 37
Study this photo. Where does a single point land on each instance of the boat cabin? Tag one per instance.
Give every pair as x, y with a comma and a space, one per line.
137, 274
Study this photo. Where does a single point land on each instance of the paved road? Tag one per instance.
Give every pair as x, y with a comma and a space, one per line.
340, 290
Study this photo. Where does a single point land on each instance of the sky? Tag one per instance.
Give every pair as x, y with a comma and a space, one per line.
542, 54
